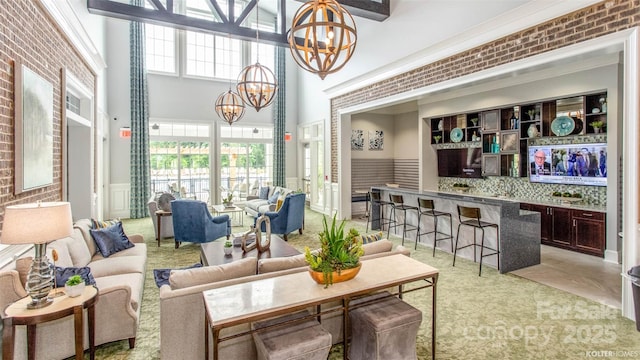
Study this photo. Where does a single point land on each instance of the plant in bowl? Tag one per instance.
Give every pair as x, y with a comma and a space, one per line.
597, 125
437, 138
338, 258
228, 201
74, 286
228, 247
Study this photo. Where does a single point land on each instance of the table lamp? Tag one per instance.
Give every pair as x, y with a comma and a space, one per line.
38, 224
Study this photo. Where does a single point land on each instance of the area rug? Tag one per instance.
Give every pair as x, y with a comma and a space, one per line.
161, 276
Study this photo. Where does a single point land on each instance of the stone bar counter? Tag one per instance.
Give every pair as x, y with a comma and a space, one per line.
519, 229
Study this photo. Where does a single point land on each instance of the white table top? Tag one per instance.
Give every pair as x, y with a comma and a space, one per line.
241, 303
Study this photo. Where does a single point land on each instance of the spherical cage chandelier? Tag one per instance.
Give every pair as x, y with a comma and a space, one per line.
229, 107
257, 86
322, 37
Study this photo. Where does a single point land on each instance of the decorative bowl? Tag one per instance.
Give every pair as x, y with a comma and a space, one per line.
563, 125
456, 134
346, 274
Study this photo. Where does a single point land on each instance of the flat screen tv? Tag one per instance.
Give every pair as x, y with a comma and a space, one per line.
464, 163
575, 164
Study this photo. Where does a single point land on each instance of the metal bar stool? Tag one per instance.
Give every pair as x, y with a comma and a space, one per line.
397, 204
426, 208
472, 218
374, 198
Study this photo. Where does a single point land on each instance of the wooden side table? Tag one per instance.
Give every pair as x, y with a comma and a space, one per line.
159, 215
62, 306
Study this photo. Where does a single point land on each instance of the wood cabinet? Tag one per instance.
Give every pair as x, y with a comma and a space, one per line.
572, 229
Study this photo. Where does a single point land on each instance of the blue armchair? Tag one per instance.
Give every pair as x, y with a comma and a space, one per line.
192, 222
290, 217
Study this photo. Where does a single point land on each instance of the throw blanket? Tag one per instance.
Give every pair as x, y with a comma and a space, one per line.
161, 276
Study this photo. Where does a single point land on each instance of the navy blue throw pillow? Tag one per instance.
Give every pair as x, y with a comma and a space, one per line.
63, 274
111, 240
264, 193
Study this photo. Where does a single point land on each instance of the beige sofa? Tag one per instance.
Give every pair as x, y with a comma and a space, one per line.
254, 205
182, 314
119, 279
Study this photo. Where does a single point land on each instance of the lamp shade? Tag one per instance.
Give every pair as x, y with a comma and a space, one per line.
36, 223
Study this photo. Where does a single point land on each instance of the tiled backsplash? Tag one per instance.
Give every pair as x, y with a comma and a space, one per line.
521, 188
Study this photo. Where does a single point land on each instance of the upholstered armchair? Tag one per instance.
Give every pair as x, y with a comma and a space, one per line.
289, 217
192, 222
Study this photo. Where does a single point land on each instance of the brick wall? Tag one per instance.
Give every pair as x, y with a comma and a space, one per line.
29, 36
591, 22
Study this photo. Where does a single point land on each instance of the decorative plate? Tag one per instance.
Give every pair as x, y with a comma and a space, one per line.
456, 134
563, 125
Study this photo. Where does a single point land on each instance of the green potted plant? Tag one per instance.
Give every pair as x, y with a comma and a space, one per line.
74, 286
338, 258
597, 125
437, 138
228, 247
228, 201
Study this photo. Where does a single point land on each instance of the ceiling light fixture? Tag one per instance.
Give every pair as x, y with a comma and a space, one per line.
257, 85
322, 37
229, 107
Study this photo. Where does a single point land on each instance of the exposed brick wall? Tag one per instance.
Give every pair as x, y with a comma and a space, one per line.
591, 22
29, 36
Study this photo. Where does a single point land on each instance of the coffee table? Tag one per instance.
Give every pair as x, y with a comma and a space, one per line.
212, 253
233, 211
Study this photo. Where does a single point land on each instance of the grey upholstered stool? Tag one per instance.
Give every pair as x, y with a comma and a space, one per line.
302, 340
384, 329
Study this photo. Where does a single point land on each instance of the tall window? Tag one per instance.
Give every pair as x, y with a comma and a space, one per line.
212, 56
180, 160
160, 45
246, 160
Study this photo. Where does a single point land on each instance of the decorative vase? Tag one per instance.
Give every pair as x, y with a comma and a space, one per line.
75, 290
533, 131
596, 130
346, 274
228, 250
440, 125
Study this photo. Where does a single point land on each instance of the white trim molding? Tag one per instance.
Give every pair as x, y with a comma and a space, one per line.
119, 200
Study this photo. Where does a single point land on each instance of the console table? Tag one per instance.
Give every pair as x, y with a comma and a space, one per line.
233, 305
18, 314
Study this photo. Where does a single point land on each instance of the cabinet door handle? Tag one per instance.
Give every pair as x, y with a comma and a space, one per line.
550, 211
574, 222
587, 214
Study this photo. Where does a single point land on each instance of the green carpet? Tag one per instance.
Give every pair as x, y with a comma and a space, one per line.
493, 316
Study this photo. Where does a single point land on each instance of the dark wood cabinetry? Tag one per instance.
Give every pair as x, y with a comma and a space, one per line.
572, 229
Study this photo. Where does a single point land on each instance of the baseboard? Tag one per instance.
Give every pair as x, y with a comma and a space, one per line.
611, 256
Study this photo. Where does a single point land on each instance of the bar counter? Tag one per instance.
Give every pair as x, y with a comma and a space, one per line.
519, 229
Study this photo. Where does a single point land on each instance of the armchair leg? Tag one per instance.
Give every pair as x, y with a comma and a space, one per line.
300, 231
177, 244
132, 343
286, 237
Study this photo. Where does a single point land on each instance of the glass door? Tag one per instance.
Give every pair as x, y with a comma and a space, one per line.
181, 168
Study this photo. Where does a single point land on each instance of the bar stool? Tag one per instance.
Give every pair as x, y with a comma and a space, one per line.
426, 208
472, 219
397, 204
374, 198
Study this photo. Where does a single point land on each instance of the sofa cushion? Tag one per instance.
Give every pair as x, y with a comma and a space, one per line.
134, 281
62, 250
282, 263
22, 267
264, 193
274, 198
138, 249
78, 249
279, 203
110, 240
84, 225
191, 277
118, 265
379, 246
63, 274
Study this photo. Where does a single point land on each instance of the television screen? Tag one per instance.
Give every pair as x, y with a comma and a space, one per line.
576, 164
464, 162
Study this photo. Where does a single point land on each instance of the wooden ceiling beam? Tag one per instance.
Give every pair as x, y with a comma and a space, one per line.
368, 9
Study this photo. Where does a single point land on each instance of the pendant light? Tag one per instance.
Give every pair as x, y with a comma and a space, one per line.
322, 37
257, 85
229, 107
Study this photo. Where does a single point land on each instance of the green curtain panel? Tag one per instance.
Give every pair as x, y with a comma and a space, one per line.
140, 165
279, 151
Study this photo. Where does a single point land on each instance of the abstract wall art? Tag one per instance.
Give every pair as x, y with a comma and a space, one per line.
376, 140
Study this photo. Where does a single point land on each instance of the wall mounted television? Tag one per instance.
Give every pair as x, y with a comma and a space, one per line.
463, 162
574, 164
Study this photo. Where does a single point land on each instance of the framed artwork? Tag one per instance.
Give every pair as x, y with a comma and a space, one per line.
376, 140
357, 140
33, 130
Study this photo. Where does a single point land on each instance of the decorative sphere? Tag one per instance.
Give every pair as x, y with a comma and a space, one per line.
257, 86
229, 107
322, 37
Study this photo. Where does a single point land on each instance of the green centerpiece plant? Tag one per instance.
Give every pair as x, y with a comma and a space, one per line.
338, 258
